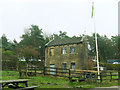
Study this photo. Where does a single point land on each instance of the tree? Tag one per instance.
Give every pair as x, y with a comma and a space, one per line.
116, 45
6, 45
9, 59
4, 42
61, 35
34, 37
28, 53
105, 47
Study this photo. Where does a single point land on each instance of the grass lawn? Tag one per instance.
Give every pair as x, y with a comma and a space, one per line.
55, 82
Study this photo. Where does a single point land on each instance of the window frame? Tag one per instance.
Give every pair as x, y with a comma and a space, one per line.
71, 51
64, 64
73, 63
64, 49
52, 53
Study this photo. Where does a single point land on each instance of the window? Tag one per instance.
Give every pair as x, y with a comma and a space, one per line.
72, 65
52, 68
64, 66
72, 50
51, 51
64, 50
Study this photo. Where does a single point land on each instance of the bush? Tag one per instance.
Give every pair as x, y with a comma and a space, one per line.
112, 66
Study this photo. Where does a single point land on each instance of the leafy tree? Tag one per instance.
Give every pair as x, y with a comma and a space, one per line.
34, 37
9, 59
61, 35
28, 52
6, 45
106, 48
4, 42
116, 45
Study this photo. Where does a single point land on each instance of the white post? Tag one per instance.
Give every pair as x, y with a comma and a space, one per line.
96, 46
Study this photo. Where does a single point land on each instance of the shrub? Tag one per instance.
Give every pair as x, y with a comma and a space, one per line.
112, 66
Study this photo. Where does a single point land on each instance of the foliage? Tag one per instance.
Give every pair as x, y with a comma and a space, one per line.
34, 37
6, 45
116, 44
60, 35
106, 47
28, 52
112, 66
9, 59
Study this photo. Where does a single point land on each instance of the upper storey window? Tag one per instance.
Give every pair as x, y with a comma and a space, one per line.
72, 50
52, 51
63, 50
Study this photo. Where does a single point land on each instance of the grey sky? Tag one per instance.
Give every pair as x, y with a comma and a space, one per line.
72, 16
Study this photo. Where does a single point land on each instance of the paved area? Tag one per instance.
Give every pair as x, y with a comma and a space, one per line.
107, 88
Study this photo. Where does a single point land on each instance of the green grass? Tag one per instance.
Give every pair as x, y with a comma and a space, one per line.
56, 82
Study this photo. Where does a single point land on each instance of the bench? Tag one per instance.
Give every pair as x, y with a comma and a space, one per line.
14, 84
27, 88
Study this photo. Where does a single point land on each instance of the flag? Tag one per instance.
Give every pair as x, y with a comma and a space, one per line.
92, 9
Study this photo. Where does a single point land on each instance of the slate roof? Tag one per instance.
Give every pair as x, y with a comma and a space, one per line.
64, 41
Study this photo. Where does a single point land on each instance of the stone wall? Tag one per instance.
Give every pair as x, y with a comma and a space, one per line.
80, 58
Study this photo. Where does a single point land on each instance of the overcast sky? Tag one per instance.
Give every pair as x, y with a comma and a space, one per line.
72, 16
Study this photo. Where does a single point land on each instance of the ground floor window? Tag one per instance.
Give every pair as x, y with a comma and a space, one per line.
52, 68
72, 65
64, 66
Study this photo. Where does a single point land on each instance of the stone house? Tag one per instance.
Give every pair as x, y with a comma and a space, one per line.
70, 53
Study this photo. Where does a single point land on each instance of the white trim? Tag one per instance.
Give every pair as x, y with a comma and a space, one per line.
48, 42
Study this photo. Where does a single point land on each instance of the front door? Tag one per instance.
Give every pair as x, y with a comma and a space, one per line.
51, 69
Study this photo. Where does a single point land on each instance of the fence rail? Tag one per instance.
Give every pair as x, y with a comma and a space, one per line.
71, 73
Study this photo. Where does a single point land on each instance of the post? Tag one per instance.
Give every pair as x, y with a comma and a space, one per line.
110, 76
96, 77
20, 73
96, 43
35, 71
69, 74
84, 75
118, 77
56, 71
100, 77
44, 71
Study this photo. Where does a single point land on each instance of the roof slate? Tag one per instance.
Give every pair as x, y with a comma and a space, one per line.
65, 41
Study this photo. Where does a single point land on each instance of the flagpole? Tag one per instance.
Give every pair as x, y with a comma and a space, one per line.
93, 12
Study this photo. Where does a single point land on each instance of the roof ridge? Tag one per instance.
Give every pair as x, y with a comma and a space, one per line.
63, 41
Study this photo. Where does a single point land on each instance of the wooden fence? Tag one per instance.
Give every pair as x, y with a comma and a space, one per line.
108, 75
72, 74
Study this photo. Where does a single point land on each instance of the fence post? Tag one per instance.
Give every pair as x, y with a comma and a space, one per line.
35, 71
101, 77
56, 71
110, 76
69, 75
44, 71
118, 77
84, 75
20, 73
